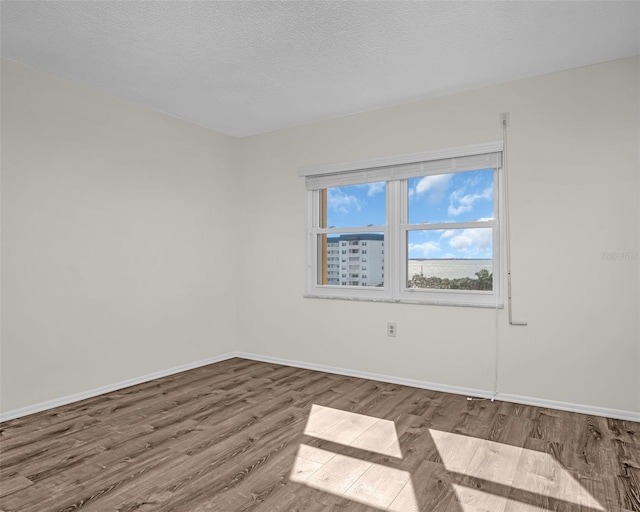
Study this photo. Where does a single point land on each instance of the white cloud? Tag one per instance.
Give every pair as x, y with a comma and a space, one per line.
461, 202
434, 186
342, 202
375, 188
425, 248
474, 242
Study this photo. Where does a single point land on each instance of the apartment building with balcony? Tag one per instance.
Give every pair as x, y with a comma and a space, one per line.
355, 259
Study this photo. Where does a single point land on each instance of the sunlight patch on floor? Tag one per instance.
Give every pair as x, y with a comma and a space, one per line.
355, 479
474, 500
355, 430
520, 468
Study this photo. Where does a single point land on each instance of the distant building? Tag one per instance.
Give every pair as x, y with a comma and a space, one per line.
355, 259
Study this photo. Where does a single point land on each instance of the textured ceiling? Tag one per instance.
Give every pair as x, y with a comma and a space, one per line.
247, 67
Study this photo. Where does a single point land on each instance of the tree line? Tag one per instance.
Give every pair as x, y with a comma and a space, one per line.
484, 281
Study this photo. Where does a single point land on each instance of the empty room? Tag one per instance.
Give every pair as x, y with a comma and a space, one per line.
349, 256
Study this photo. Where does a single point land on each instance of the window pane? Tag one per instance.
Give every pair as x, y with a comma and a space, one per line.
453, 197
351, 259
450, 259
356, 205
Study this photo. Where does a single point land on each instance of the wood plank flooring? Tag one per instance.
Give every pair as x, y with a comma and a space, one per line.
246, 436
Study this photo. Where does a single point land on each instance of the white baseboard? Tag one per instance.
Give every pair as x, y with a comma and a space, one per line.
480, 393
57, 402
591, 410
368, 375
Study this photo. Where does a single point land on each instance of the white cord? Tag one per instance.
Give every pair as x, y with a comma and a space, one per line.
497, 352
507, 225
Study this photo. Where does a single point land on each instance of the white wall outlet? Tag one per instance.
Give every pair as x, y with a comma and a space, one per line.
391, 329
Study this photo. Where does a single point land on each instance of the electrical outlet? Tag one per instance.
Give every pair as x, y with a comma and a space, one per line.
391, 329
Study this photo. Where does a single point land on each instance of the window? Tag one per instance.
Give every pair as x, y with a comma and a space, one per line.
437, 214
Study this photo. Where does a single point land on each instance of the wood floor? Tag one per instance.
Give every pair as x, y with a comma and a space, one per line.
246, 436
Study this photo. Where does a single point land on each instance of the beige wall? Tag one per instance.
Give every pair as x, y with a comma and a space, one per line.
116, 236
573, 156
129, 242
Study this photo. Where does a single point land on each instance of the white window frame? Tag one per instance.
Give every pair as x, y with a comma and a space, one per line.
314, 231
395, 171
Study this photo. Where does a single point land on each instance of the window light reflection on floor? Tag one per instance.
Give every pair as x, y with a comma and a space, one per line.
356, 479
537, 476
533, 472
355, 430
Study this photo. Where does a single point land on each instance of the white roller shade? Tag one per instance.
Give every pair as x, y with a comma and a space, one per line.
401, 167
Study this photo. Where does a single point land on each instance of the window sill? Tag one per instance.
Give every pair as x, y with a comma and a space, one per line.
500, 305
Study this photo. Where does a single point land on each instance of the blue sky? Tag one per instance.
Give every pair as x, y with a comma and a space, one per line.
442, 198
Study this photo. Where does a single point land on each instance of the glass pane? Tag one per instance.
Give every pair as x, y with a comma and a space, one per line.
351, 259
355, 205
454, 197
458, 259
